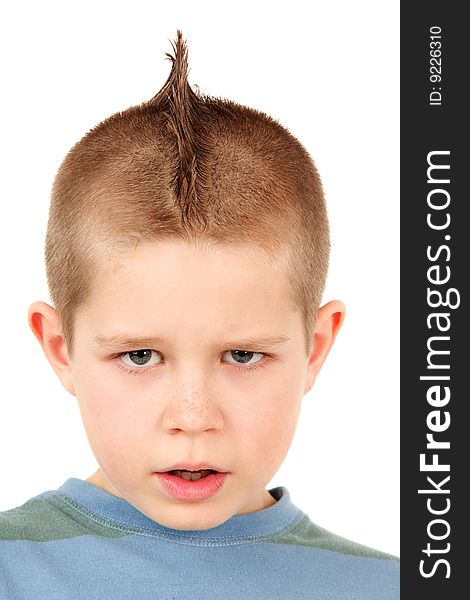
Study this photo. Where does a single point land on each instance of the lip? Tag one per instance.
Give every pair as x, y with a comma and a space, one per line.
201, 489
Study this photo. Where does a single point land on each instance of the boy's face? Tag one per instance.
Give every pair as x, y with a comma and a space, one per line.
190, 397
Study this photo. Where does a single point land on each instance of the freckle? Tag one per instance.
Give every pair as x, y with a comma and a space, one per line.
196, 408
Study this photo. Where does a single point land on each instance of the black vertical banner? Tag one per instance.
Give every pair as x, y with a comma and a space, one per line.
435, 258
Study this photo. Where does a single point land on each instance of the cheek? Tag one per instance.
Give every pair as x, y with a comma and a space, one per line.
115, 417
267, 425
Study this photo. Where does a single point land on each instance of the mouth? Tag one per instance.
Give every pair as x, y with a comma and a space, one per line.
185, 483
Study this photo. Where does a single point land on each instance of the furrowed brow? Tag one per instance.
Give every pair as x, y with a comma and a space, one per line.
124, 342
121, 341
257, 343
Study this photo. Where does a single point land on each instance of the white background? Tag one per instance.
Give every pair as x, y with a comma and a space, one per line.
329, 72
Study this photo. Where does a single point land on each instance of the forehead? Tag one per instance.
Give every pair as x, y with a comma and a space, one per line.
191, 287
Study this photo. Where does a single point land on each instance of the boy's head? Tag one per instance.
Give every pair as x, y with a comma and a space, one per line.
186, 255
191, 167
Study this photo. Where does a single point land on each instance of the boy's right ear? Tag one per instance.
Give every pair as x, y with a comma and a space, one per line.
45, 323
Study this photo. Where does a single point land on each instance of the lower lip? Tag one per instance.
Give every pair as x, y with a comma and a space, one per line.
201, 489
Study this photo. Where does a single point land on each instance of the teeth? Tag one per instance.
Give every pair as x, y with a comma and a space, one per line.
189, 476
192, 475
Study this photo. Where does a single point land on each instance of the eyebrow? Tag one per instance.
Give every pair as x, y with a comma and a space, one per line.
124, 342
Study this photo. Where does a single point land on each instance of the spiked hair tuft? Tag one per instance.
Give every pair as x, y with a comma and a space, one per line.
183, 109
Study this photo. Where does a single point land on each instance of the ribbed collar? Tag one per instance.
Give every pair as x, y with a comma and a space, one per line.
109, 508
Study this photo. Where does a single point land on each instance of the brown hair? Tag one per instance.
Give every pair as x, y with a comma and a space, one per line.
190, 166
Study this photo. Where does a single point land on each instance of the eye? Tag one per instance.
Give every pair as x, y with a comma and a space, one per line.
242, 357
139, 358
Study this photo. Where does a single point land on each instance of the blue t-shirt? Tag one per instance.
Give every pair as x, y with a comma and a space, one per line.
81, 543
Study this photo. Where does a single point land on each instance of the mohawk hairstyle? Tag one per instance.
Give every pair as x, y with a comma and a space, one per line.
184, 110
189, 166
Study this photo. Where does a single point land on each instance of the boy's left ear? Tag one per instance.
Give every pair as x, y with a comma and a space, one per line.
330, 317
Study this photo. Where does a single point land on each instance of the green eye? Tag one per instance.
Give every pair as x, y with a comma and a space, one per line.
139, 358
242, 357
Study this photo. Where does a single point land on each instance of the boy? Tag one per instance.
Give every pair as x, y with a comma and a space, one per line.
186, 255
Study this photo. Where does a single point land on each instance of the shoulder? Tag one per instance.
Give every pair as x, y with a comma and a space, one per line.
341, 564
48, 517
34, 521
38, 520
306, 533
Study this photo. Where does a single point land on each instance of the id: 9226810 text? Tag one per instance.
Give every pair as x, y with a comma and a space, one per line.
435, 65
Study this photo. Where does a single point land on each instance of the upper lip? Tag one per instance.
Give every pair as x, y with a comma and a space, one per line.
193, 467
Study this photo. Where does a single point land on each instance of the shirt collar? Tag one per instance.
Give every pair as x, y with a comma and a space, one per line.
112, 510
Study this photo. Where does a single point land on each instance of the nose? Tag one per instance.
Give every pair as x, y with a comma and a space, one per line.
192, 409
